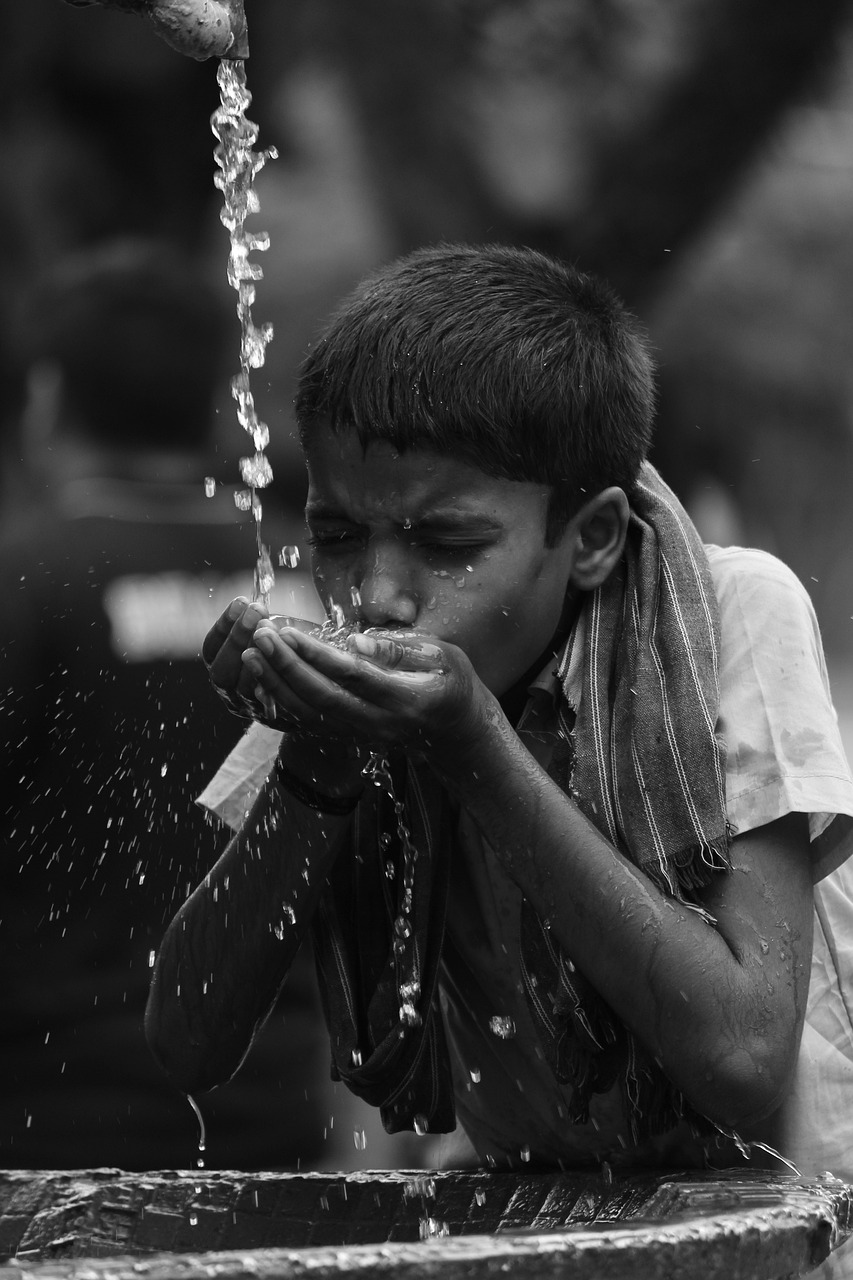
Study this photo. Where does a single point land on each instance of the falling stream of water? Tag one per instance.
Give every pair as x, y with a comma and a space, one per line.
238, 165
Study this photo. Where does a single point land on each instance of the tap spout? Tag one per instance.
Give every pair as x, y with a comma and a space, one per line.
198, 28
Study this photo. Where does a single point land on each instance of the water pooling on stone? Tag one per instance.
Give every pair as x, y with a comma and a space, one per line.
239, 163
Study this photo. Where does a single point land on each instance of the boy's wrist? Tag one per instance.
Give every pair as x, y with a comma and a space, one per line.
328, 768
309, 795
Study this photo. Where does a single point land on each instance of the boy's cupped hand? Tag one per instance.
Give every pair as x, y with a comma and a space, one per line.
379, 687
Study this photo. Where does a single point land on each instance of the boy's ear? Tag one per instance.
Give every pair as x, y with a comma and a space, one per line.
599, 530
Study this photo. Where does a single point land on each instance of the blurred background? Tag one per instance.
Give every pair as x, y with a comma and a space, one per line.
699, 154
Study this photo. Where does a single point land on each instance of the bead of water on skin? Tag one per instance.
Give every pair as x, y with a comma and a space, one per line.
289, 556
209, 486
502, 1027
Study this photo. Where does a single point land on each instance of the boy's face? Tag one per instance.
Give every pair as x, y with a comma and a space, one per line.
421, 540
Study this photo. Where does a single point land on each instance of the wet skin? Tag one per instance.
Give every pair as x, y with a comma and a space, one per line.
445, 641
451, 576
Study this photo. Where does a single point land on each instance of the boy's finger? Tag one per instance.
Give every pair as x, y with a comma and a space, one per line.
225, 665
218, 633
291, 707
402, 653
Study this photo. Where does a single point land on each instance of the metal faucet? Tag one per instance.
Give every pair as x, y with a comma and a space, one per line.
199, 28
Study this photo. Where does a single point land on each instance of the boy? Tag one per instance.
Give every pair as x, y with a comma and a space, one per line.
585, 930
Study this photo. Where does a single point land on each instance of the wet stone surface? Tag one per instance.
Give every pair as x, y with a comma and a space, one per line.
108, 1225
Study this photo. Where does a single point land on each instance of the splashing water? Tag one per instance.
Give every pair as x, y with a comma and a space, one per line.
378, 772
423, 1187
239, 164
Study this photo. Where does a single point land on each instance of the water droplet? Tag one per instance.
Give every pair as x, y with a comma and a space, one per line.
409, 1015
337, 615
164, 768
765, 946
525, 1153
356, 1057
421, 1125
355, 596
152, 956
256, 471
193, 1219
432, 1229
475, 1075
209, 486
502, 1027
243, 500
359, 1140
420, 1187
289, 556
480, 1197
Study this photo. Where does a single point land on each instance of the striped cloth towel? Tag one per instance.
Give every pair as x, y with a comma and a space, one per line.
645, 765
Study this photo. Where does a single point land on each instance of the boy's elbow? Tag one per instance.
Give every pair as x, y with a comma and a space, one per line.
745, 1084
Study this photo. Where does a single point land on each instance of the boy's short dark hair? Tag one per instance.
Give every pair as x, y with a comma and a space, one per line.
515, 363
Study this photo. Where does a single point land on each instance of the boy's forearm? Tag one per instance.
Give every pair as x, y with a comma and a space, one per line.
676, 981
227, 952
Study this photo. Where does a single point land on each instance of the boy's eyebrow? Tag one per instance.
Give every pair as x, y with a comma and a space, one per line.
455, 519
448, 519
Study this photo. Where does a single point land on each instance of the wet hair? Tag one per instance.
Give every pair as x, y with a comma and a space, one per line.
515, 363
138, 332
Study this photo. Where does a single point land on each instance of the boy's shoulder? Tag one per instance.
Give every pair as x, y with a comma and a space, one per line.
755, 581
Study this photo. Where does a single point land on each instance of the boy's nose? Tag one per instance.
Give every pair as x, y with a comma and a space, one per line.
388, 596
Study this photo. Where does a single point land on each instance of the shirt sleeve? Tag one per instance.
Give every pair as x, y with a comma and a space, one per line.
784, 749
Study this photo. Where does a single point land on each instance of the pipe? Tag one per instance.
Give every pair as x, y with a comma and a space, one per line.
198, 28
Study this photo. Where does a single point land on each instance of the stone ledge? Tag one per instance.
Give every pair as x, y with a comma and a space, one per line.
108, 1225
